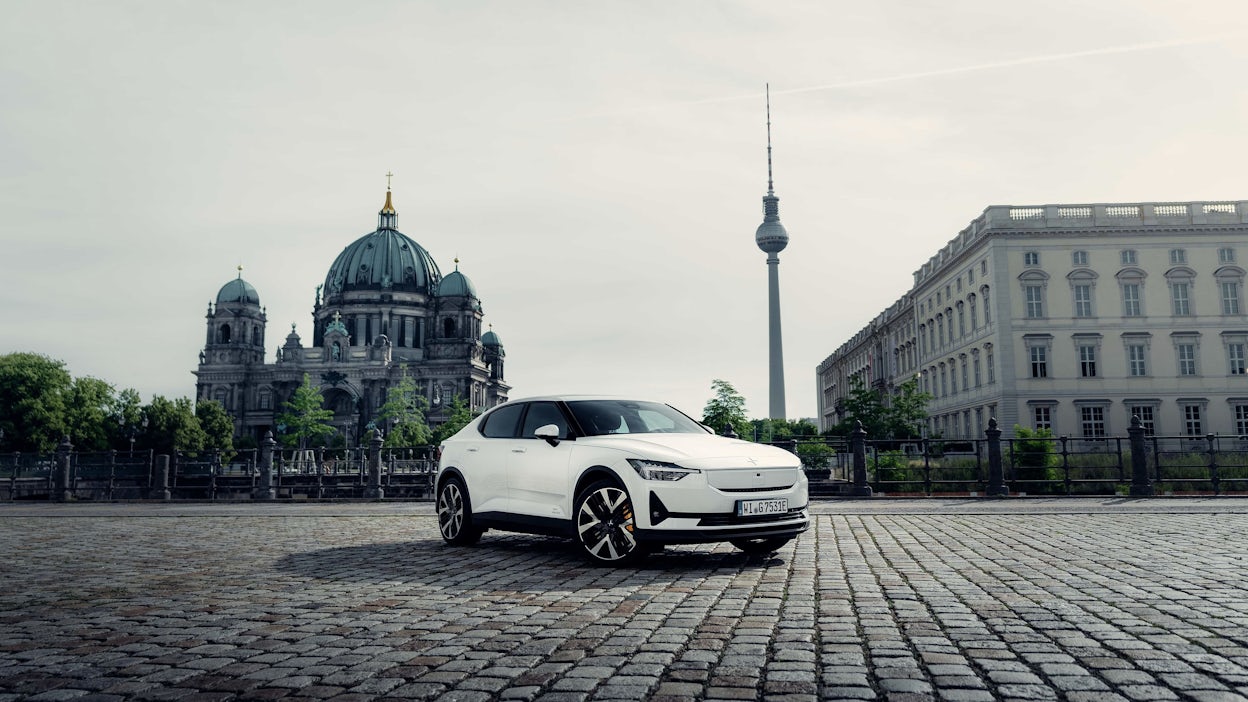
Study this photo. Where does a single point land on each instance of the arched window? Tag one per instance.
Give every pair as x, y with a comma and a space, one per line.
448, 327
983, 292
224, 335
974, 312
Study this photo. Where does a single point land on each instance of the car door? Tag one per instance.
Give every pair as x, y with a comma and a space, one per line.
537, 473
489, 459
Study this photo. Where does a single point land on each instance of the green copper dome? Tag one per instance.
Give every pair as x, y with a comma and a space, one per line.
383, 260
490, 340
238, 290
457, 284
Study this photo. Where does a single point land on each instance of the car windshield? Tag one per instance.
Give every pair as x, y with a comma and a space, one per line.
598, 417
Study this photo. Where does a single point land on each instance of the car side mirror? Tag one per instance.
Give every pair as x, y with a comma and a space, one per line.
549, 432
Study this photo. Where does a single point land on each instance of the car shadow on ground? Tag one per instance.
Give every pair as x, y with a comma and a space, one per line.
531, 563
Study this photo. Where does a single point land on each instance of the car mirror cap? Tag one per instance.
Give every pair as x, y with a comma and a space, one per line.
549, 432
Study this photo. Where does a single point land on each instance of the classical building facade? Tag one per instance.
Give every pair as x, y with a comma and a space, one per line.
1072, 318
384, 311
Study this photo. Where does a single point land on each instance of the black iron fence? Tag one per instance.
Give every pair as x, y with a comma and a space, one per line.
1137, 465
264, 473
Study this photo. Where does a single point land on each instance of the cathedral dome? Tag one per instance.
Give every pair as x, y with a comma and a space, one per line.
457, 284
238, 290
385, 259
490, 340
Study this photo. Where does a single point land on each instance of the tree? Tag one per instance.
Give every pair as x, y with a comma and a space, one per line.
88, 414
726, 408
863, 405
34, 390
405, 409
124, 417
908, 411
766, 430
217, 425
172, 426
458, 419
305, 416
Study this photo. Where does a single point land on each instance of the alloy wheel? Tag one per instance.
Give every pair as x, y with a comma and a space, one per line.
605, 524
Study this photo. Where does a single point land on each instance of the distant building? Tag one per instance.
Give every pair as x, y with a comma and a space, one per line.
1071, 318
386, 311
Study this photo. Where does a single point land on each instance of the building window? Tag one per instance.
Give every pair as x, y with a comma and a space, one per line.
1039, 362
1092, 420
965, 374
1042, 417
1178, 256
1035, 301
1235, 358
1087, 361
1179, 296
975, 363
970, 276
1079, 258
1148, 418
1226, 255
953, 377
1241, 420
1136, 361
1192, 424
266, 400
944, 384
992, 372
961, 320
959, 284
974, 314
983, 267
949, 316
1131, 299
1083, 300
1187, 358
1230, 297
1127, 256
1031, 259
987, 307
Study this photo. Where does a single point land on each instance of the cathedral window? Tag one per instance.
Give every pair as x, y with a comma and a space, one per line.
448, 328
224, 335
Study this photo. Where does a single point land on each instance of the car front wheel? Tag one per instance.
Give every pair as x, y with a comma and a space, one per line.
605, 526
760, 546
455, 514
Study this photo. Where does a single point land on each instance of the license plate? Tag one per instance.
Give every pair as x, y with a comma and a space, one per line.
754, 508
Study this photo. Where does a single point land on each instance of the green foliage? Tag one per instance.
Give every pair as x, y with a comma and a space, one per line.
727, 408
815, 456
901, 419
88, 414
172, 426
766, 430
1033, 453
34, 393
217, 426
459, 417
405, 409
306, 418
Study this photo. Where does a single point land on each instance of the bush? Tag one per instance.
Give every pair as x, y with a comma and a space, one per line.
815, 456
1033, 453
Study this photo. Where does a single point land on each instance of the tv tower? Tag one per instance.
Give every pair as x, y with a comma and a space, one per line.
771, 237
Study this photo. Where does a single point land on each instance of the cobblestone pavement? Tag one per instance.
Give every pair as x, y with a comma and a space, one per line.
956, 600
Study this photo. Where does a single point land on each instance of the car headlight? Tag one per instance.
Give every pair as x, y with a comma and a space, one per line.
658, 470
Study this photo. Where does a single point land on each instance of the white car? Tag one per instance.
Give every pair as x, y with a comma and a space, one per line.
622, 477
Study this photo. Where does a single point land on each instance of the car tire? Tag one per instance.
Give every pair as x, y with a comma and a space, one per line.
455, 514
605, 525
761, 546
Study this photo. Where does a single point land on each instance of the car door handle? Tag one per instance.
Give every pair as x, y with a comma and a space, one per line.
471, 449
518, 450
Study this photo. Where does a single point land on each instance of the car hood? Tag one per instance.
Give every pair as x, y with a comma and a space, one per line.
693, 450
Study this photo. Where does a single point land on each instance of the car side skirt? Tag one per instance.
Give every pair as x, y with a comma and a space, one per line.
524, 524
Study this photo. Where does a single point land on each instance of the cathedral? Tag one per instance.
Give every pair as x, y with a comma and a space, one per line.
383, 312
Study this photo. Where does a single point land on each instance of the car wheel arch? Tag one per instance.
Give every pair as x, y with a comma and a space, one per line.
592, 475
447, 474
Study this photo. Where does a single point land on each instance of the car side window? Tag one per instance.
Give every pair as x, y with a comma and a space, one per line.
501, 424
543, 413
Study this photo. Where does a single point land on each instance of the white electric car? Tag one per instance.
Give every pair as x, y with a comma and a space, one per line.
622, 477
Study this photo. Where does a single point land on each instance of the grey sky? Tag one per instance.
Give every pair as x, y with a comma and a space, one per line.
597, 167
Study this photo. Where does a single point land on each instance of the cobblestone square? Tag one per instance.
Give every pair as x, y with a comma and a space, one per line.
960, 599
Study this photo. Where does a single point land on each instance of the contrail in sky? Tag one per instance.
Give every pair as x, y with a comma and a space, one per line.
865, 82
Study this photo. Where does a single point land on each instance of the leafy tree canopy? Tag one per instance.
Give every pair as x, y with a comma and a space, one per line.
34, 393
902, 418
305, 418
726, 408
405, 409
459, 417
173, 426
217, 425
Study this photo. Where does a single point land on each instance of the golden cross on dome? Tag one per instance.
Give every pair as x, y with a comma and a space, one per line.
337, 316
388, 176
240, 270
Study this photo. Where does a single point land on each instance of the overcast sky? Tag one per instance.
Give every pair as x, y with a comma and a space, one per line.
598, 168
